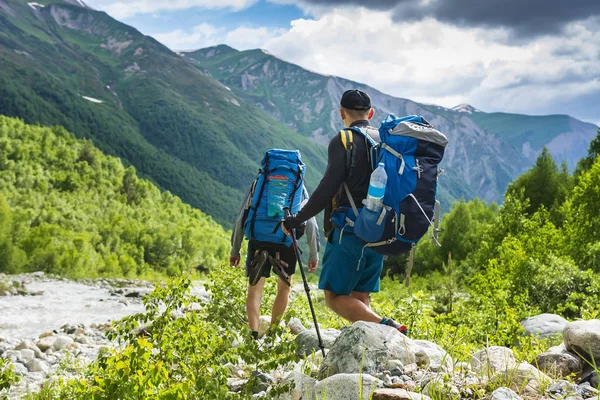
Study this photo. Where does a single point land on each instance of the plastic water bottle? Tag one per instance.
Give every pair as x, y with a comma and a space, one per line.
376, 189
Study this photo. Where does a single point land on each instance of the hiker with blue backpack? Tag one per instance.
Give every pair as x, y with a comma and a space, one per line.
378, 193
278, 188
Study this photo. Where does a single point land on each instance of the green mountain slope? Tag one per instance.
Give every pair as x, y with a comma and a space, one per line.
66, 208
68, 65
484, 154
567, 138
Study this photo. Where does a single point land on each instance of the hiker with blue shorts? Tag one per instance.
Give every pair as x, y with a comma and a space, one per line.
350, 271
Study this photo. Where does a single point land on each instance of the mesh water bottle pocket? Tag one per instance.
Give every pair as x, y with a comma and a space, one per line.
369, 225
278, 194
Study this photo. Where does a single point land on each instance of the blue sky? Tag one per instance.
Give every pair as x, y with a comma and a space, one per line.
533, 57
261, 14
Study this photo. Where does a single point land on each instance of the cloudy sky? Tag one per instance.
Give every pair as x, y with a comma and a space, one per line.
526, 56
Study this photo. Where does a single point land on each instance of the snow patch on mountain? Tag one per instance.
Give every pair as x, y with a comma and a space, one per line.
466, 108
79, 3
35, 5
93, 100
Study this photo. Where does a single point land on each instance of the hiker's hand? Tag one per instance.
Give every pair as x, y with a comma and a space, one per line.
288, 233
234, 261
312, 266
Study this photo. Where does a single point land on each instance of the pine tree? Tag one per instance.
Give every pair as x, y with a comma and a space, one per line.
544, 185
585, 164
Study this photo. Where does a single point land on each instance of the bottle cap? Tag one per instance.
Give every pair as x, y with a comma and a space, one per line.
381, 164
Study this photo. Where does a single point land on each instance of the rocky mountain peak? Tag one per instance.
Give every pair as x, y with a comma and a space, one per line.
466, 108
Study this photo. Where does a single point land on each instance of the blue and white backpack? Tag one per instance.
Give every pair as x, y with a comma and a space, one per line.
280, 185
411, 149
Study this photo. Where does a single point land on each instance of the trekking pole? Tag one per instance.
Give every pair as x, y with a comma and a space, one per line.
306, 287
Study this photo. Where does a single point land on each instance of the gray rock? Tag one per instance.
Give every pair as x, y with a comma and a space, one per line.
438, 357
20, 369
586, 390
367, 347
24, 344
544, 325
12, 355
559, 364
47, 342
504, 393
562, 389
391, 364
523, 378
235, 385
27, 355
264, 323
346, 387
303, 387
308, 342
397, 394
583, 338
36, 365
61, 342
492, 359
295, 326
262, 381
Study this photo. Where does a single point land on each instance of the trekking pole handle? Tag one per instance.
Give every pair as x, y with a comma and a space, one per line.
286, 212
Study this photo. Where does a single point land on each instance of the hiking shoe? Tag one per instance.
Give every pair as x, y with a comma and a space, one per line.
279, 269
401, 328
257, 267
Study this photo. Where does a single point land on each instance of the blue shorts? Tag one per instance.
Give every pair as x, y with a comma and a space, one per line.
349, 266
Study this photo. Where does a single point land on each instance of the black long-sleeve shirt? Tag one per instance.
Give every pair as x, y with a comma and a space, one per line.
335, 175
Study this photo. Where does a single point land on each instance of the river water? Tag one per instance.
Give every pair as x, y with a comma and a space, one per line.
62, 302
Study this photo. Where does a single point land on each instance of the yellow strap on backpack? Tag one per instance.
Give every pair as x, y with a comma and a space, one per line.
347, 138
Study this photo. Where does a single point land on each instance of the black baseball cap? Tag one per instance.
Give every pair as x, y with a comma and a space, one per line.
356, 100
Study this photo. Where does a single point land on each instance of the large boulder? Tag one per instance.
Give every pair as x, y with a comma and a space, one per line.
438, 357
559, 362
308, 341
504, 393
492, 359
347, 387
544, 325
583, 338
366, 347
303, 386
523, 378
397, 394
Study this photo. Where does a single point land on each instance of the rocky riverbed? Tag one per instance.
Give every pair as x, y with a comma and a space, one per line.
48, 320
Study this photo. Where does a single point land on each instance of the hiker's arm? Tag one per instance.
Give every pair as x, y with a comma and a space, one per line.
335, 174
312, 237
237, 237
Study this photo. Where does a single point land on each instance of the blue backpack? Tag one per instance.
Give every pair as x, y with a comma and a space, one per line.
411, 149
280, 185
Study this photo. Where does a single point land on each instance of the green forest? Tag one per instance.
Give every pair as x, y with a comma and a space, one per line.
66, 208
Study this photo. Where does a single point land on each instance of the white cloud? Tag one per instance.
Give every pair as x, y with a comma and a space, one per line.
205, 35
430, 61
128, 8
243, 38
433, 62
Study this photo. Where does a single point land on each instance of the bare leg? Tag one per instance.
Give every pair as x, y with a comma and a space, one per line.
281, 301
350, 307
363, 297
253, 304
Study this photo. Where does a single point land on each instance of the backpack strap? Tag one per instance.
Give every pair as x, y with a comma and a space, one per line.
348, 142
